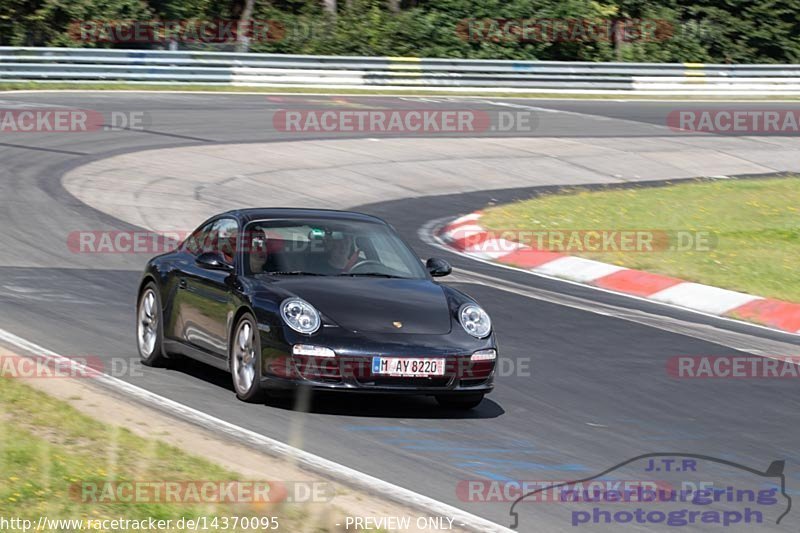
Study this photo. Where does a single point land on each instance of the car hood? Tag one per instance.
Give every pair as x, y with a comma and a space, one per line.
381, 305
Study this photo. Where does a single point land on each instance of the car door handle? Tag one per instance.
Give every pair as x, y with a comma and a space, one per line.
182, 284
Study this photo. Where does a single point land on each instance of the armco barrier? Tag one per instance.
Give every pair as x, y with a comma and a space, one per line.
86, 65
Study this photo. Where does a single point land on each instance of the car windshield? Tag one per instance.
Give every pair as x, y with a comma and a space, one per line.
324, 247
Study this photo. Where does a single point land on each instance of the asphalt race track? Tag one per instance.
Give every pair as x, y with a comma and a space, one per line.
597, 391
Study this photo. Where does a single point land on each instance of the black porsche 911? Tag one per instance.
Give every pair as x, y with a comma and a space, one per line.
331, 300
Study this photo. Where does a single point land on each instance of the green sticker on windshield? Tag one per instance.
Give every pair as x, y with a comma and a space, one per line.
317, 233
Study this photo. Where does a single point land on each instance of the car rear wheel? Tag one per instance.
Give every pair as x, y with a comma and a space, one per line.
245, 360
460, 401
149, 329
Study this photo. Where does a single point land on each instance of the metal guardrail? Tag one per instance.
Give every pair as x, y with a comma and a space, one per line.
87, 65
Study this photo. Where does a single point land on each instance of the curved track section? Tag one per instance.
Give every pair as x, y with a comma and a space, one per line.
596, 391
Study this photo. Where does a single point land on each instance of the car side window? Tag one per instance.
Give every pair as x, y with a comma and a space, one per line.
223, 238
194, 244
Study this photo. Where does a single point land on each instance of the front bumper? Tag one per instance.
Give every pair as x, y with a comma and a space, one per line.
355, 374
351, 368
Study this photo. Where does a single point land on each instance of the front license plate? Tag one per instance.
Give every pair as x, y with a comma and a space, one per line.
407, 367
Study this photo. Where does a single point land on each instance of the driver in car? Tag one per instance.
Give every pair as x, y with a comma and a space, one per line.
341, 252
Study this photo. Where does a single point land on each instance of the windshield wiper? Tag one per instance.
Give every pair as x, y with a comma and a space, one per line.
294, 273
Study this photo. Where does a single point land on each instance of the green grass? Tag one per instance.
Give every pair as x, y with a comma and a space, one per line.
28, 86
755, 223
46, 446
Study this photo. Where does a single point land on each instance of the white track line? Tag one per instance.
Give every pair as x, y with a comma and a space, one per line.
305, 459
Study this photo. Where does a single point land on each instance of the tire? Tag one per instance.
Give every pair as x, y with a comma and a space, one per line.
150, 327
244, 356
460, 401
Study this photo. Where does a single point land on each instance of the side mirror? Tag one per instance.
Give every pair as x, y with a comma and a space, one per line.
438, 267
213, 261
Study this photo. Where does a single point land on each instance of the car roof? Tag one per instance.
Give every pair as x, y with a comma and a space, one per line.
258, 213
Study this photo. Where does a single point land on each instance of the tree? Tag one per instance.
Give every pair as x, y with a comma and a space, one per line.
242, 40
330, 6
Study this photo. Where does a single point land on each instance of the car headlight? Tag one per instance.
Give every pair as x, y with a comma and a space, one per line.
474, 320
300, 315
